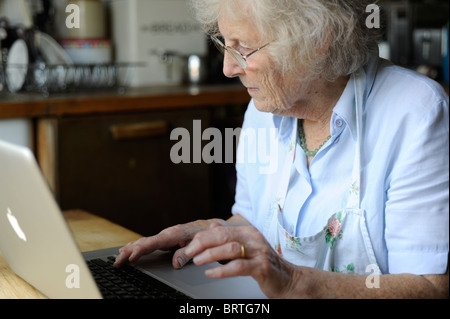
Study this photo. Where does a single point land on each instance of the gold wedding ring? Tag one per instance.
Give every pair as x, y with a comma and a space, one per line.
242, 251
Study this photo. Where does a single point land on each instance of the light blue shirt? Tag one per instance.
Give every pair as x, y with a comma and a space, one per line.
405, 169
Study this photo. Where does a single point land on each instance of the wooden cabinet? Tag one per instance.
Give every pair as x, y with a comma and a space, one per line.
129, 177
110, 154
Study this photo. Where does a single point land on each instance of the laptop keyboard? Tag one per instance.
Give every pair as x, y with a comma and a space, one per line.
127, 282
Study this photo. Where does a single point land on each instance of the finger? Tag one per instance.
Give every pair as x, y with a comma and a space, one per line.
180, 258
227, 251
130, 252
214, 225
216, 236
168, 238
124, 254
236, 267
134, 250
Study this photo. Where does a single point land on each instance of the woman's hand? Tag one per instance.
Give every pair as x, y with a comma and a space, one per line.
167, 239
217, 240
274, 274
173, 237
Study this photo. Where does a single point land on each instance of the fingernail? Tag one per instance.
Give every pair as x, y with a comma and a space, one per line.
197, 259
211, 273
181, 262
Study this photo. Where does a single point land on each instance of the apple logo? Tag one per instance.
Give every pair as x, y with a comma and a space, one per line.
15, 225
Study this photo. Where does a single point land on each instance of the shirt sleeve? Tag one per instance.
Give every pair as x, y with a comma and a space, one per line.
417, 206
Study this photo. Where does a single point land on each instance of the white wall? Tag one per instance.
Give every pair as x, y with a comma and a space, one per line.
17, 131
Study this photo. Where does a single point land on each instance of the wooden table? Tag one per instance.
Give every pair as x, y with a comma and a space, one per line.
91, 232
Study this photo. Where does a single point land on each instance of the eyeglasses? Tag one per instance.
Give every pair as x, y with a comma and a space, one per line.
241, 59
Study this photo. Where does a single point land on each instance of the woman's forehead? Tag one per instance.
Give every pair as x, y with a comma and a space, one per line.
234, 28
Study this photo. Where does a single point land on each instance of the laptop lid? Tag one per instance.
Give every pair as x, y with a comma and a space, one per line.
34, 237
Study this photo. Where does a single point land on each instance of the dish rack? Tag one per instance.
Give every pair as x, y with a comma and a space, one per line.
58, 78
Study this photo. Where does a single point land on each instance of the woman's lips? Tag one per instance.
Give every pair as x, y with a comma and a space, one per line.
252, 89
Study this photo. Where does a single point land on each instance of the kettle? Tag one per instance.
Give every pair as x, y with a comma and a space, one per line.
194, 67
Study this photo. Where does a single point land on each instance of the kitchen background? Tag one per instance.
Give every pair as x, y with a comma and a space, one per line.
97, 103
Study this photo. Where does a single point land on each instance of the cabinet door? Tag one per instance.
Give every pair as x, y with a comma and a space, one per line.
119, 167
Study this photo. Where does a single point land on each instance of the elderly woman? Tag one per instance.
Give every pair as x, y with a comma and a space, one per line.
361, 180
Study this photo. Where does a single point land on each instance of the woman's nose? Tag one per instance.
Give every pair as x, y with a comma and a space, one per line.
231, 67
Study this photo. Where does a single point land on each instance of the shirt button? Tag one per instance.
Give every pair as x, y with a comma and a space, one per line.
339, 122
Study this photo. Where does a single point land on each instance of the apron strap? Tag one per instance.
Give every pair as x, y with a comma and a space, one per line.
354, 200
287, 167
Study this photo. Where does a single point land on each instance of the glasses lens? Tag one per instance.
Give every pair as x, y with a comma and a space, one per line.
219, 43
239, 58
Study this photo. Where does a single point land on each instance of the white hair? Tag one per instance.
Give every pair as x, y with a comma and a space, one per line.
301, 30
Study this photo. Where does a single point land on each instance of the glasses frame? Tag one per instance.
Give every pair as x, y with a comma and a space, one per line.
241, 59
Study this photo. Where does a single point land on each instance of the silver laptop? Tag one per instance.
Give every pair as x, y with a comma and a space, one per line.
39, 247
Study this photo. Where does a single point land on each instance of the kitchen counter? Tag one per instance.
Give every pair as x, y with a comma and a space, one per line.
132, 100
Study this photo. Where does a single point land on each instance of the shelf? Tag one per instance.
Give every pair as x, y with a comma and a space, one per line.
131, 100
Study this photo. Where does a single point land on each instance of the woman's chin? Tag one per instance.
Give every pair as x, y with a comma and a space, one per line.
264, 107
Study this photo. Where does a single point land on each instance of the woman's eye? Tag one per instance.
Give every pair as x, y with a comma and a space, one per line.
243, 49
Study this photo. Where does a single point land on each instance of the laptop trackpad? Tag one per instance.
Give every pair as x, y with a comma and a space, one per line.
192, 281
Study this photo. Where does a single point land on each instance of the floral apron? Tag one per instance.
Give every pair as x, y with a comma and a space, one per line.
343, 245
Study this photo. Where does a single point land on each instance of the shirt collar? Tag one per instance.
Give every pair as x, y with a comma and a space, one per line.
345, 107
